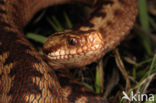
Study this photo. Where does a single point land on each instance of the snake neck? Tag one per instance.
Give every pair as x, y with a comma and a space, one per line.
113, 19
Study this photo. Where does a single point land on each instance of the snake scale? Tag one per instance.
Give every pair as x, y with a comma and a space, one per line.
26, 78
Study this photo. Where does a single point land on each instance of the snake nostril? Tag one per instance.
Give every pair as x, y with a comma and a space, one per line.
72, 41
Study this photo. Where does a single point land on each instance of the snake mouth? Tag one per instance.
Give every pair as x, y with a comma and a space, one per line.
75, 60
85, 51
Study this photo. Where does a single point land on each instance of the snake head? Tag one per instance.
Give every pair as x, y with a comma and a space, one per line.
73, 49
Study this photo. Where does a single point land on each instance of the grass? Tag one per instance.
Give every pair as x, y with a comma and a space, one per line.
137, 69
144, 21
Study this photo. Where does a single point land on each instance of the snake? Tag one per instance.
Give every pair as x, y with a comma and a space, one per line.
28, 77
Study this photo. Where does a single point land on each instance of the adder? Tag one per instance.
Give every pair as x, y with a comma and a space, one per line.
26, 78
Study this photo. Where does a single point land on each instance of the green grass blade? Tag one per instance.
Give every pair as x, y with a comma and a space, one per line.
57, 23
153, 65
88, 86
151, 71
36, 37
143, 15
144, 20
56, 26
69, 24
144, 39
52, 24
97, 81
99, 77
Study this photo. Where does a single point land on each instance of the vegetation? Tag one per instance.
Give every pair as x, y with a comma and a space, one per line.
130, 67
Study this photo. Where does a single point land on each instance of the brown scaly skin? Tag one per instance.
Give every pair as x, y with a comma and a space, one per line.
25, 77
76, 92
73, 49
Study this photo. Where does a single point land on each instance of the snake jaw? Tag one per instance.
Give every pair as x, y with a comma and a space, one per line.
73, 49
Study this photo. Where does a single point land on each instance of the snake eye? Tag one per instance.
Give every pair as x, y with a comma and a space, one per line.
72, 41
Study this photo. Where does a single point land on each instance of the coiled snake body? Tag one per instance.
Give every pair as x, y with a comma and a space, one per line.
26, 78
